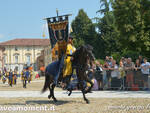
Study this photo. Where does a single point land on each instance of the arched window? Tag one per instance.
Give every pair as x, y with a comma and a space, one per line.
28, 48
16, 57
28, 59
16, 48
4, 58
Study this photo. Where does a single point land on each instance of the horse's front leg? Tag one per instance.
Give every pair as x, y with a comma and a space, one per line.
83, 92
81, 86
68, 85
70, 92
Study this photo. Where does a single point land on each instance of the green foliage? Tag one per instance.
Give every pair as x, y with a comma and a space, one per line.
132, 54
117, 56
107, 29
78, 42
84, 31
101, 61
123, 31
132, 21
83, 28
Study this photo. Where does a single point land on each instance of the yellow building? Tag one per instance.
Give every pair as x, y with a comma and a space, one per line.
1, 57
47, 56
21, 52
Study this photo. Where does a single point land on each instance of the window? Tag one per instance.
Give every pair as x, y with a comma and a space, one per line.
28, 48
16, 68
16, 59
16, 49
28, 59
4, 59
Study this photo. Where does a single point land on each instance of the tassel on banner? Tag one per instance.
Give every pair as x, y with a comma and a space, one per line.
44, 29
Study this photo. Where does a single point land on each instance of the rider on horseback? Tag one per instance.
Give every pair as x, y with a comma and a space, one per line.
67, 70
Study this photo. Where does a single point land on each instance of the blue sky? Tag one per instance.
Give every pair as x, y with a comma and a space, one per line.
24, 18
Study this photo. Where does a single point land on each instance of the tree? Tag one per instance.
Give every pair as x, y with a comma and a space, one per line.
107, 29
131, 20
84, 31
83, 28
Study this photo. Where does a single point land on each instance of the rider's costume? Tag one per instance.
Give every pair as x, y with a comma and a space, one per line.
67, 70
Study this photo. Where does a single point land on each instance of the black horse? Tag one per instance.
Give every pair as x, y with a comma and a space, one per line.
80, 62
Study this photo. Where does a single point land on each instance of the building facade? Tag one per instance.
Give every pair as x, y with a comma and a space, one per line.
19, 53
47, 55
1, 57
45, 58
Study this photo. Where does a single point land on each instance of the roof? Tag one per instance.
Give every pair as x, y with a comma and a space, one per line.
27, 42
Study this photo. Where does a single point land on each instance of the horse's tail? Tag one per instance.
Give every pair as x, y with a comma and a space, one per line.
47, 82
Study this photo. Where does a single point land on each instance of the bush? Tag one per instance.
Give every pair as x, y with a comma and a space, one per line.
132, 54
117, 56
101, 61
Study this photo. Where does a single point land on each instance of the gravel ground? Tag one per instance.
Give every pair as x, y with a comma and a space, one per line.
35, 85
77, 105
100, 101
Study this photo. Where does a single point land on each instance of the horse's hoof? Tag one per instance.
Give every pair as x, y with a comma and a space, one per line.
49, 96
87, 101
90, 92
55, 100
69, 94
85, 92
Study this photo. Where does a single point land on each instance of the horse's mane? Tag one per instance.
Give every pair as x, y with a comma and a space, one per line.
88, 47
81, 52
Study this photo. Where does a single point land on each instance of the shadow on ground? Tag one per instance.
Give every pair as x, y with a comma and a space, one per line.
59, 102
40, 102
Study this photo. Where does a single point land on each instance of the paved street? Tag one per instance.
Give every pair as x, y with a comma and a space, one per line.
78, 94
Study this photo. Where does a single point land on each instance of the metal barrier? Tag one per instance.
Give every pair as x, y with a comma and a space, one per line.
133, 82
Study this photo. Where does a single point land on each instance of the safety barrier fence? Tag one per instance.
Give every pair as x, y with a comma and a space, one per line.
133, 81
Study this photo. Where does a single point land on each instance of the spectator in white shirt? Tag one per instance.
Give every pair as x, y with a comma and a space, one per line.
145, 72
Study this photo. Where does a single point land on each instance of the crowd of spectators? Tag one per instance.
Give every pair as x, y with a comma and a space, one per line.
124, 75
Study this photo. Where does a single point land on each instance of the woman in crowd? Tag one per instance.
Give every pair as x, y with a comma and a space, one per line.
106, 75
99, 76
122, 75
137, 74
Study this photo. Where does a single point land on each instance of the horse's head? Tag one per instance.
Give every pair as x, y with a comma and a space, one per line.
86, 51
89, 52
83, 54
